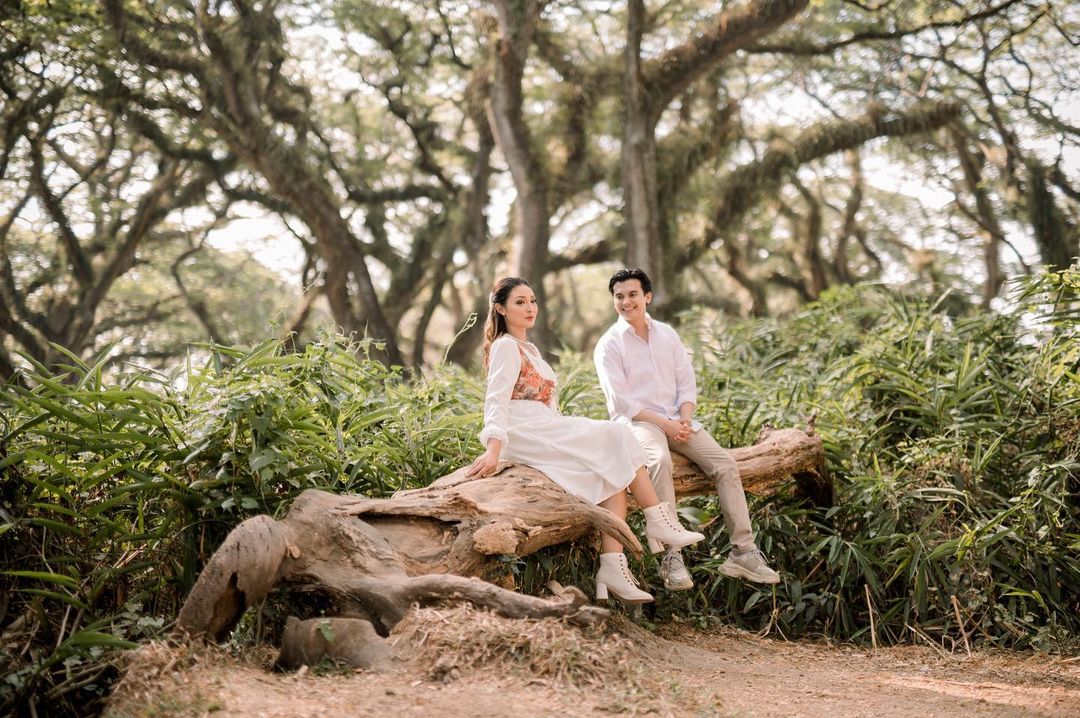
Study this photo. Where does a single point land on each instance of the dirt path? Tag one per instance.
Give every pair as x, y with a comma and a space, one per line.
756, 677
676, 672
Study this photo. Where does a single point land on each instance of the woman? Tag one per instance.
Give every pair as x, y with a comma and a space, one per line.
594, 460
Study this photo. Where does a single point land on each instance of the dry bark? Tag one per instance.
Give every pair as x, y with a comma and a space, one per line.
372, 559
352, 641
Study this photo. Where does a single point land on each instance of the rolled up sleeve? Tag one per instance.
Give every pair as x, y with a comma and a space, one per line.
504, 365
613, 381
686, 384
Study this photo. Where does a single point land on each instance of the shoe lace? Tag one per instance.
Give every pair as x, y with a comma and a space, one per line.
671, 562
755, 558
670, 519
629, 576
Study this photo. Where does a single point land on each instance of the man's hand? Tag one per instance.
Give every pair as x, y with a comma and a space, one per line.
485, 465
677, 430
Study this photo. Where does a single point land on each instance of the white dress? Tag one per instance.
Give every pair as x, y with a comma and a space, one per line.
588, 458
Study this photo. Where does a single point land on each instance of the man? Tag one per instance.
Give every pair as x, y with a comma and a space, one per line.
646, 375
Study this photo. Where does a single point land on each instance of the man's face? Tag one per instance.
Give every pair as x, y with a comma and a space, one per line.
630, 301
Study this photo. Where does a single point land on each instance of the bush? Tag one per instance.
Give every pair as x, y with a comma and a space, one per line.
953, 441
117, 490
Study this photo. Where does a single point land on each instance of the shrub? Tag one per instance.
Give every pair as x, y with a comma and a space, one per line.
954, 447
953, 440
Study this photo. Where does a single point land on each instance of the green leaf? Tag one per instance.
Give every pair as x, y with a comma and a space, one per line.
55, 578
88, 639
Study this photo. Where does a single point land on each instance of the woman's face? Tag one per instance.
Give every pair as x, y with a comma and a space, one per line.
520, 309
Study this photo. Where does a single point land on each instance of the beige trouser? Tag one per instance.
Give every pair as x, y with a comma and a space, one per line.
713, 460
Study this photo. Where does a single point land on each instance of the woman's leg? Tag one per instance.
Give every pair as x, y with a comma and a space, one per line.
616, 504
642, 489
614, 574
662, 525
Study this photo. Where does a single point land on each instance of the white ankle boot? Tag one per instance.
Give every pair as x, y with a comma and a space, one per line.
662, 528
614, 575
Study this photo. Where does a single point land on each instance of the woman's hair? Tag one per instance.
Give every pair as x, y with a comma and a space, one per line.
495, 326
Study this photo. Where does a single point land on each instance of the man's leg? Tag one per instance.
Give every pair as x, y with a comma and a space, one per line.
658, 461
719, 465
745, 560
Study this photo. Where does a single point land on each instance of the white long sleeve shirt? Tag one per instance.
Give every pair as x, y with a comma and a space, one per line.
637, 375
504, 370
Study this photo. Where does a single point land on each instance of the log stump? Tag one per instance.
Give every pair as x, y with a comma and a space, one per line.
375, 558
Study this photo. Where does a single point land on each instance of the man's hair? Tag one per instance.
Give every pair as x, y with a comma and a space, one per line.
624, 274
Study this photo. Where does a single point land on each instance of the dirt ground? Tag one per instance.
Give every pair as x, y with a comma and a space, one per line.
674, 671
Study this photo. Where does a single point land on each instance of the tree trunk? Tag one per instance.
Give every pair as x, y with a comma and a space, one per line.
1058, 242
648, 91
640, 197
813, 264
245, 109
474, 230
529, 252
288, 174
851, 210
736, 267
371, 559
986, 218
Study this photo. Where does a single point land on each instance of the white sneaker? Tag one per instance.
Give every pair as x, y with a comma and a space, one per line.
750, 566
673, 571
663, 527
614, 575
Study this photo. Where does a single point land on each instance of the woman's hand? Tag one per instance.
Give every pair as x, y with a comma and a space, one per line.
485, 465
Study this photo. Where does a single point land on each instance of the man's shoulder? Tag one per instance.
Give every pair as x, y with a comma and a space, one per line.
609, 336
664, 328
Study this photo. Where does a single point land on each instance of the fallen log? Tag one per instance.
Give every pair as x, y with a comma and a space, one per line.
766, 466
375, 558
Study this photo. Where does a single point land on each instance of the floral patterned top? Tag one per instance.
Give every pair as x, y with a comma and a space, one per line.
530, 384
519, 380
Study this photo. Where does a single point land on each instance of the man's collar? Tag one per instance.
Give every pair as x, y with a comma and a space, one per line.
622, 326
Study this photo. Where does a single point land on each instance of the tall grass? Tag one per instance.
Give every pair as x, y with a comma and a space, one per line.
115, 491
953, 442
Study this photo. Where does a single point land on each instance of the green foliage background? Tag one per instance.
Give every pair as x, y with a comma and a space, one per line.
953, 440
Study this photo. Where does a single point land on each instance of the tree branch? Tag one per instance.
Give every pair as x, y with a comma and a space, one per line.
796, 45
129, 40
670, 74
80, 265
605, 250
740, 190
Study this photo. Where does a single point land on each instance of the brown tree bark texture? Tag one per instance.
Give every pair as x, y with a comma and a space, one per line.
374, 558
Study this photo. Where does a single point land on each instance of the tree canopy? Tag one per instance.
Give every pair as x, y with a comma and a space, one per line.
749, 155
